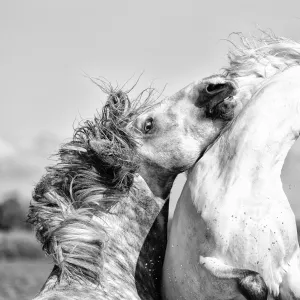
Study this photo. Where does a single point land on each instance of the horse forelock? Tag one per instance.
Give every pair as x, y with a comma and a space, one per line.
95, 170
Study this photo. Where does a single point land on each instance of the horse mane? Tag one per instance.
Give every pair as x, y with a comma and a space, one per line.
262, 56
94, 171
255, 59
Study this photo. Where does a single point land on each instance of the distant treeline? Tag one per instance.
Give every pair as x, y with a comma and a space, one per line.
13, 215
17, 240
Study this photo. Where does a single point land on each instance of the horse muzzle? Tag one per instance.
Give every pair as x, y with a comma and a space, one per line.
220, 102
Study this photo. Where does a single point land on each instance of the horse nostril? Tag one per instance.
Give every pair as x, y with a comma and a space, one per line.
215, 88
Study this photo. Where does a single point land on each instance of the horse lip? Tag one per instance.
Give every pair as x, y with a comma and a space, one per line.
229, 97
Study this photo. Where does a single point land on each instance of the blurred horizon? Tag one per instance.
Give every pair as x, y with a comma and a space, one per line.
47, 47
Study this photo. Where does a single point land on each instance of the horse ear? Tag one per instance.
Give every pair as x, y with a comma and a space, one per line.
98, 146
118, 103
110, 154
105, 151
116, 163
119, 97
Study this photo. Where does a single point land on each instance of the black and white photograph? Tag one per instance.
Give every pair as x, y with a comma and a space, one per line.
149, 150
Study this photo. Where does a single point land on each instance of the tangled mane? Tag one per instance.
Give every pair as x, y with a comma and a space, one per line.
94, 171
255, 59
261, 57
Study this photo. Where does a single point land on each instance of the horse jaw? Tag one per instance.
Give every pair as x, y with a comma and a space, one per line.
159, 181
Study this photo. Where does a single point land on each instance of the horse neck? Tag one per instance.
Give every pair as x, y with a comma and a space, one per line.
133, 216
251, 152
136, 228
132, 259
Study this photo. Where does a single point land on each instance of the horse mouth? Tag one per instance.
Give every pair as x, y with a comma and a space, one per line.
222, 103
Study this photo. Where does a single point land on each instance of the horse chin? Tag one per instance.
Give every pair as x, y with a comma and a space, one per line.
224, 110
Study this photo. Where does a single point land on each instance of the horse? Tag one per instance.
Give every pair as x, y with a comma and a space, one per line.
101, 211
233, 217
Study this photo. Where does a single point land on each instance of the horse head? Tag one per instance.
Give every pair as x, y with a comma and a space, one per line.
93, 201
173, 135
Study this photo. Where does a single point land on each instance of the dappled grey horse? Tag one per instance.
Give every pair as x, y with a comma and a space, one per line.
101, 212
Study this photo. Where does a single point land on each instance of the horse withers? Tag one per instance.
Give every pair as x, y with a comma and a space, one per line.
101, 212
233, 225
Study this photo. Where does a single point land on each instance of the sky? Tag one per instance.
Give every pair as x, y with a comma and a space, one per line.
46, 47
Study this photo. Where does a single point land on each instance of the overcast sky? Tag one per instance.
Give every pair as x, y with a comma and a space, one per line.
46, 46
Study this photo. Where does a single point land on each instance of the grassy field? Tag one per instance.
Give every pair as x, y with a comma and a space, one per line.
21, 280
23, 266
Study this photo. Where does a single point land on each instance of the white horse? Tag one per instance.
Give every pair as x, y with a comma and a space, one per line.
102, 211
233, 218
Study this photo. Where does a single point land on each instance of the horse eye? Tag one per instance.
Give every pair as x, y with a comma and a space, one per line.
148, 125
